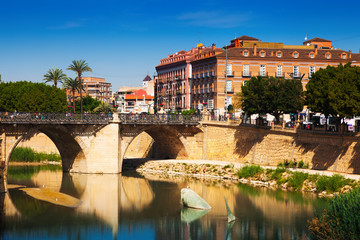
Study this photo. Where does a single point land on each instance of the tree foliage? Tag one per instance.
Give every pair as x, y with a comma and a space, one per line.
271, 95
73, 85
54, 75
335, 91
89, 104
31, 97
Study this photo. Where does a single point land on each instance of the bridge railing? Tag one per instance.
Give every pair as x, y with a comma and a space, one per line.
21, 117
176, 119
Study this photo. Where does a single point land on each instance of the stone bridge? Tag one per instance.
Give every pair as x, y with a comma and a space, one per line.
97, 144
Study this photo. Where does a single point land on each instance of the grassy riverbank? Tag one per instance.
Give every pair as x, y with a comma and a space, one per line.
255, 175
21, 154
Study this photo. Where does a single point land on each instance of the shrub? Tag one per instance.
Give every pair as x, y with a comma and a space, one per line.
277, 173
331, 184
340, 219
301, 164
250, 171
297, 179
27, 154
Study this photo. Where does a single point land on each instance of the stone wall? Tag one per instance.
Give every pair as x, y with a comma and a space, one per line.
270, 147
39, 142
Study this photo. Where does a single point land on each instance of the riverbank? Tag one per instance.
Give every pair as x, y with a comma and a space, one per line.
324, 183
34, 163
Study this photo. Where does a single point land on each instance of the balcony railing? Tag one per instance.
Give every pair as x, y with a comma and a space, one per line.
171, 119
263, 74
246, 74
212, 74
231, 74
229, 90
280, 74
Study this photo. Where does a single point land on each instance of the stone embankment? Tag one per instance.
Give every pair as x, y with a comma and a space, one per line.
267, 177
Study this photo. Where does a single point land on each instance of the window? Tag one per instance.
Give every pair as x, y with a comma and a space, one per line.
296, 55
246, 53
343, 56
262, 70
246, 71
211, 104
279, 54
228, 86
311, 71
312, 55
262, 54
279, 71
328, 55
296, 71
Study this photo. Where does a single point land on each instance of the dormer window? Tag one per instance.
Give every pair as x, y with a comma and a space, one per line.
262, 54
295, 55
279, 54
344, 56
246, 53
328, 55
312, 55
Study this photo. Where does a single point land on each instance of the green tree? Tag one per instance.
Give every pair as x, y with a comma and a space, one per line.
80, 66
335, 91
54, 75
89, 104
31, 97
271, 95
103, 107
74, 86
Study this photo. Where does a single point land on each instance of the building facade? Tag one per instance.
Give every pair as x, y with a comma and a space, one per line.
173, 84
216, 77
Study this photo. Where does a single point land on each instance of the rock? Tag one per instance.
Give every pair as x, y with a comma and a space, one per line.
191, 199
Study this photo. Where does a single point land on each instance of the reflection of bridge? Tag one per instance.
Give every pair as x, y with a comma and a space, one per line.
96, 143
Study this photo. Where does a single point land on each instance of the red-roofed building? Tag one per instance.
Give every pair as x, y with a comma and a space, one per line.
138, 101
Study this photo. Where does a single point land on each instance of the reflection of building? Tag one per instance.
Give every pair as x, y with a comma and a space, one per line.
96, 88
247, 57
131, 99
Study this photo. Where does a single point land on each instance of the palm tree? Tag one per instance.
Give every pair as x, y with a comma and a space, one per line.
54, 75
80, 66
104, 107
74, 86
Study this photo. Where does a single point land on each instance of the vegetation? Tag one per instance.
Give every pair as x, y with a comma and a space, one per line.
31, 97
188, 112
27, 172
21, 154
335, 91
54, 75
331, 184
340, 219
297, 180
104, 107
74, 86
250, 171
89, 104
80, 66
271, 95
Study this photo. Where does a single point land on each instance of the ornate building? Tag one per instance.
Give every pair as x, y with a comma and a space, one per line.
218, 75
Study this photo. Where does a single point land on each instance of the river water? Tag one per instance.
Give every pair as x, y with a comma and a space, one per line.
130, 206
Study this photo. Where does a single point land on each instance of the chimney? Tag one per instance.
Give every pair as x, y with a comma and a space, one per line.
349, 53
316, 51
254, 49
213, 47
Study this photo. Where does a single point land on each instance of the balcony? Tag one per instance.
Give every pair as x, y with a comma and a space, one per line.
201, 75
246, 74
280, 74
177, 78
230, 74
229, 90
263, 74
178, 92
296, 76
212, 74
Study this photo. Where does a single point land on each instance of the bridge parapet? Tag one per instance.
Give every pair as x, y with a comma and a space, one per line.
54, 118
169, 119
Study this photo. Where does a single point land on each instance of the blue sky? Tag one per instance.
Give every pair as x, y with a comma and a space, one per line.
124, 40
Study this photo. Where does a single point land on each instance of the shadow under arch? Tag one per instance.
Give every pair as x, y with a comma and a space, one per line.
170, 142
70, 150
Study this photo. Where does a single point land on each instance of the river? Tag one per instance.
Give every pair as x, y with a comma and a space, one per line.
130, 206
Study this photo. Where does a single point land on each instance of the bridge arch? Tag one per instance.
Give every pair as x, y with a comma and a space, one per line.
70, 148
170, 142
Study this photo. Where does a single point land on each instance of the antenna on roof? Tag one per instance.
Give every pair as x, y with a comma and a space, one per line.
305, 37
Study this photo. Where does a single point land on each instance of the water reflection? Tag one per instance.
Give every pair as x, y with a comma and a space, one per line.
131, 206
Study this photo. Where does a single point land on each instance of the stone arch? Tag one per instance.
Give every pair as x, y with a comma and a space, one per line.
70, 148
170, 141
